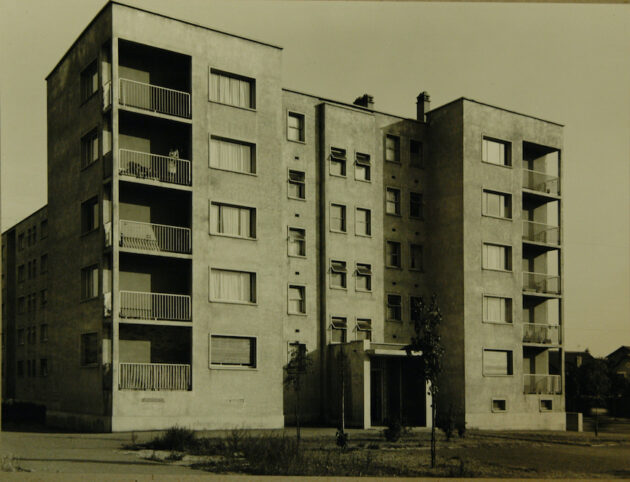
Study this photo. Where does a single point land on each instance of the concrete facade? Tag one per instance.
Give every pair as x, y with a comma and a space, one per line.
205, 222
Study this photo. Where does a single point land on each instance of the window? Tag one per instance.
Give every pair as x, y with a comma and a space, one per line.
31, 335
43, 367
231, 155
415, 257
231, 220
232, 89
392, 148
363, 220
364, 329
43, 265
413, 307
89, 148
496, 256
89, 349
33, 274
337, 274
392, 201
297, 300
30, 369
89, 282
43, 333
338, 330
20, 336
233, 351
496, 204
497, 362
362, 167
43, 229
416, 154
89, 215
232, 286
21, 273
89, 81
495, 152
20, 368
337, 161
364, 277
546, 405
297, 242
338, 218
43, 296
21, 241
497, 309
21, 304
295, 127
499, 405
392, 254
34, 234
297, 185
394, 308
415, 205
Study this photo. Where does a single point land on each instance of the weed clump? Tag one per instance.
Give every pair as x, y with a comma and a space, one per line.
177, 439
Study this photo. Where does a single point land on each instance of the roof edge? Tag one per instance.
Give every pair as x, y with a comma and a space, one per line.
24, 219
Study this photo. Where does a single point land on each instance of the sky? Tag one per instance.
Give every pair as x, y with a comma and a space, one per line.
567, 63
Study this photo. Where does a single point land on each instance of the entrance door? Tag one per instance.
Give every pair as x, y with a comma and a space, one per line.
377, 395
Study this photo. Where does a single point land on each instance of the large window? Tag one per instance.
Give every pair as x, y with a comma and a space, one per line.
496, 256
497, 362
89, 215
295, 127
394, 308
89, 282
231, 155
232, 89
495, 152
496, 204
338, 218
232, 286
337, 161
89, 349
89, 148
338, 329
363, 220
364, 277
415, 257
230, 220
89, 81
338, 274
297, 300
392, 201
362, 167
416, 157
233, 351
415, 205
392, 255
497, 309
297, 185
297, 242
392, 148
364, 329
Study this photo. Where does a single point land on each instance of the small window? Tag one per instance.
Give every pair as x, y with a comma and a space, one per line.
89, 349
21, 305
295, 127
297, 187
43, 229
20, 368
496, 256
231, 155
34, 234
231, 220
362, 167
416, 154
393, 254
338, 274
363, 220
297, 300
496, 204
338, 218
33, 269
337, 161
21, 273
89, 149
546, 405
499, 405
232, 89
392, 148
497, 309
364, 277
43, 265
497, 362
89, 215
495, 152
394, 308
43, 367
43, 294
89, 81
233, 351
89, 282
415, 205
31, 335
415, 257
338, 329
297, 242
392, 201
232, 286
364, 329
21, 241
43, 333
20, 336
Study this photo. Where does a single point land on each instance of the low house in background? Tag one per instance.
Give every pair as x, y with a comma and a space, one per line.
619, 361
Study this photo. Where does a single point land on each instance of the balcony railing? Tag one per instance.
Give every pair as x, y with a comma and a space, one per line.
156, 99
541, 283
543, 384
541, 233
541, 333
154, 306
541, 182
154, 167
154, 237
154, 376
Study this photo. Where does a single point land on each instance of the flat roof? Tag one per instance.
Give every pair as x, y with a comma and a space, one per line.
25, 219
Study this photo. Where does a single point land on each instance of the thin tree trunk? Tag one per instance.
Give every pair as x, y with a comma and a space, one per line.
297, 410
433, 432
343, 392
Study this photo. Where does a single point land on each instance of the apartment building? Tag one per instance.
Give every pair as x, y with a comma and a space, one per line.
205, 223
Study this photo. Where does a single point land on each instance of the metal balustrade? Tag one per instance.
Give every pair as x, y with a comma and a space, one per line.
154, 306
154, 98
541, 333
541, 283
542, 384
541, 182
153, 376
154, 237
155, 167
541, 233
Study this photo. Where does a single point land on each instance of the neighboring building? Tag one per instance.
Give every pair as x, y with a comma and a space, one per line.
205, 222
619, 361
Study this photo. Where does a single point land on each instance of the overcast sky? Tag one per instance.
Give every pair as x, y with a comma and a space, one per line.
566, 63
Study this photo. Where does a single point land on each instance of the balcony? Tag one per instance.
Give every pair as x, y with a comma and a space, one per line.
541, 283
542, 384
154, 306
541, 233
161, 100
144, 165
155, 238
153, 376
541, 334
541, 182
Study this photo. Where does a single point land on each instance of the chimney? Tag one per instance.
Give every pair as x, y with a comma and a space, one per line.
366, 100
423, 106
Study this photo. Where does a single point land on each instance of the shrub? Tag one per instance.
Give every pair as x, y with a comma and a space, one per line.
176, 438
341, 439
393, 431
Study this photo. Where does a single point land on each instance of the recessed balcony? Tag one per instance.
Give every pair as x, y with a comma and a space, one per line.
154, 376
140, 305
154, 167
541, 334
541, 233
541, 283
154, 238
542, 384
541, 182
153, 98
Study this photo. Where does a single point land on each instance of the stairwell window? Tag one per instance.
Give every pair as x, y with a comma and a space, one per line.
497, 152
364, 329
363, 220
233, 351
416, 154
362, 168
297, 186
338, 272
232, 155
338, 329
392, 148
392, 201
89, 349
496, 204
415, 257
337, 161
497, 257
338, 218
295, 127
89, 282
89, 215
232, 89
497, 309
497, 362
394, 307
89, 148
232, 286
392, 255
89, 81
297, 242
297, 300
415, 205
232, 220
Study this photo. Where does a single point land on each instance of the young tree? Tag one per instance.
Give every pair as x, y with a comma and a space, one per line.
594, 386
296, 368
427, 319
